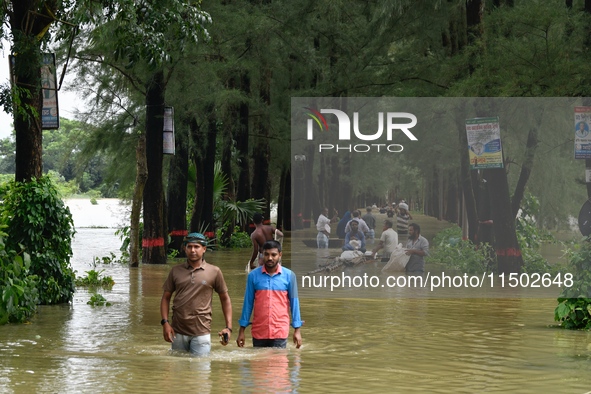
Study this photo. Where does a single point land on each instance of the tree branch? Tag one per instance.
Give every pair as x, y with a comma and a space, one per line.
129, 77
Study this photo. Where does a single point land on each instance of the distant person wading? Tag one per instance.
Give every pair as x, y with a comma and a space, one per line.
261, 234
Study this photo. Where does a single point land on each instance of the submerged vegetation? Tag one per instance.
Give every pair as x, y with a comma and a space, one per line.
449, 249
98, 300
95, 278
574, 303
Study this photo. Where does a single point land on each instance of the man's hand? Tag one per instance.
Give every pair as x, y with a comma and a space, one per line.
297, 338
168, 332
225, 335
240, 339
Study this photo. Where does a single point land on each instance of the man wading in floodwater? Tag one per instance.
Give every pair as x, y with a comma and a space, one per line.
194, 282
271, 293
259, 236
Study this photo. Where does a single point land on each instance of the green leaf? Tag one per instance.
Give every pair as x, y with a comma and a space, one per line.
561, 312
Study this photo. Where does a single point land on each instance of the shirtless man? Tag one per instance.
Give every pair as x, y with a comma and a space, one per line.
261, 234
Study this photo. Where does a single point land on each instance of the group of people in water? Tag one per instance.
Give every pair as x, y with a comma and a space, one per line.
357, 231
271, 295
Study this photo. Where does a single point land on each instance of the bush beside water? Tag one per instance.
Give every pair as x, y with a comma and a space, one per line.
18, 287
574, 303
35, 220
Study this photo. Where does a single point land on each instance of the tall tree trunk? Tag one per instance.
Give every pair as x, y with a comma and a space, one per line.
243, 187
466, 178
208, 171
474, 13
198, 154
229, 129
333, 196
154, 251
262, 154
284, 206
226, 164
261, 157
26, 22
526, 167
506, 246
141, 176
177, 191
322, 178
310, 195
298, 179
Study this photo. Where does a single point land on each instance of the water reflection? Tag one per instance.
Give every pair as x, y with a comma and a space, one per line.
272, 372
198, 368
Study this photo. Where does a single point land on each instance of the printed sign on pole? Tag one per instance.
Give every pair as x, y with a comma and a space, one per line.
50, 112
484, 143
168, 146
582, 135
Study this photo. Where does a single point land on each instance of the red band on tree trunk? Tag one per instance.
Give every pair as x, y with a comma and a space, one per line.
508, 252
152, 242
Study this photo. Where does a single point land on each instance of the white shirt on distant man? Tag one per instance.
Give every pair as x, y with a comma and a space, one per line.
390, 241
323, 227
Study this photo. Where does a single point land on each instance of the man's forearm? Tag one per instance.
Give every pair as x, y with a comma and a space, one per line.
227, 311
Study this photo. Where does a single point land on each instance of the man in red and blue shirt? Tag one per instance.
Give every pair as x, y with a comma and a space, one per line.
272, 292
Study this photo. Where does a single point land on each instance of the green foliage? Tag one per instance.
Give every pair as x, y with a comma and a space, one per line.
72, 170
95, 278
530, 237
7, 158
574, 303
112, 259
93, 201
64, 188
452, 251
239, 212
77, 170
38, 219
449, 248
238, 239
5, 178
228, 213
11, 99
124, 236
18, 287
529, 234
158, 29
98, 300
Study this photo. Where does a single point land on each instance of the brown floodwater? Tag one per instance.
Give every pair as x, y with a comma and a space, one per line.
355, 344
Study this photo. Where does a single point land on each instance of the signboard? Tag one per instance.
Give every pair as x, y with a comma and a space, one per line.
582, 134
168, 147
484, 143
50, 112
